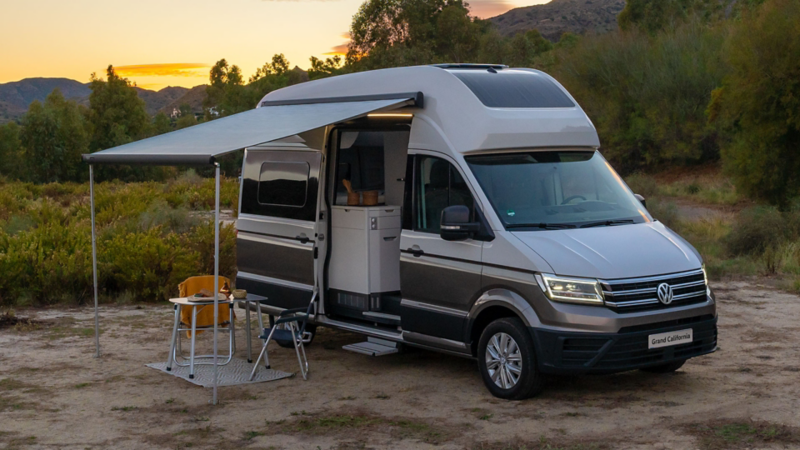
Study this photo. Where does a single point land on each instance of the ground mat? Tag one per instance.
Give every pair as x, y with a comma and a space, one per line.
235, 372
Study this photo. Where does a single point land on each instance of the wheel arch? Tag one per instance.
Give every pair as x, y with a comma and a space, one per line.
495, 304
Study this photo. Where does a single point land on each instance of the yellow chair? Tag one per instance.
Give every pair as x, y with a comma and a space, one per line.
203, 314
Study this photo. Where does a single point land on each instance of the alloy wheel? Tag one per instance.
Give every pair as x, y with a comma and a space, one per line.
503, 360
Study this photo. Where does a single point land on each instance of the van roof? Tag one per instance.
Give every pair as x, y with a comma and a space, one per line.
471, 107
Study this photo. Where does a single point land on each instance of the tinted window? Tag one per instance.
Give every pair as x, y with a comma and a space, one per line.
438, 185
514, 89
283, 184
280, 184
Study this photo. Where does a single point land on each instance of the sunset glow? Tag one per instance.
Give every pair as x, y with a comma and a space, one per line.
157, 44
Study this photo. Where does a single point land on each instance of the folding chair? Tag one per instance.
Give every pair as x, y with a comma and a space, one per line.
292, 331
201, 318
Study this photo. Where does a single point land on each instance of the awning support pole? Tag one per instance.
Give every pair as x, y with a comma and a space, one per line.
216, 281
94, 264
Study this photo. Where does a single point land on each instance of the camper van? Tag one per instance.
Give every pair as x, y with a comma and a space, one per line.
476, 216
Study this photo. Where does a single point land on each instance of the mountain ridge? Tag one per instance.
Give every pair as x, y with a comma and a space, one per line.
16, 96
559, 16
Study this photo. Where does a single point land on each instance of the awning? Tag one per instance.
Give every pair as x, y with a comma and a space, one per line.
201, 143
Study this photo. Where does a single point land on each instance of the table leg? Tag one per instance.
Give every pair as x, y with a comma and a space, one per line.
174, 337
249, 331
260, 320
194, 335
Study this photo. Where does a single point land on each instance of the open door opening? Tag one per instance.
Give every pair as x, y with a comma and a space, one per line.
365, 195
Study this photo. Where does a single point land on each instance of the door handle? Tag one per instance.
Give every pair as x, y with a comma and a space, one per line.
302, 238
416, 251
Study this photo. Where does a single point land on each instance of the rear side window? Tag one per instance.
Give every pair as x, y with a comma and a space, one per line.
280, 184
283, 184
514, 89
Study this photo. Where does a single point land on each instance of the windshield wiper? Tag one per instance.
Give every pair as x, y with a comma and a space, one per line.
606, 223
544, 226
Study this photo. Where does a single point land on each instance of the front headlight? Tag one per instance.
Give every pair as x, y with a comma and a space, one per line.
705, 279
572, 290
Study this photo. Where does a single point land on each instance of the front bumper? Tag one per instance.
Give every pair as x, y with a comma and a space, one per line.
561, 352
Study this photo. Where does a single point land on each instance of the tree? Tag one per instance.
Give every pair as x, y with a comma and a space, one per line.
225, 94
10, 151
759, 103
652, 16
185, 121
392, 33
525, 47
278, 66
117, 114
54, 135
326, 68
647, 95
161, 124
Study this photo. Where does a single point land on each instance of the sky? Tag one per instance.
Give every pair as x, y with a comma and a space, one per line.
159, 43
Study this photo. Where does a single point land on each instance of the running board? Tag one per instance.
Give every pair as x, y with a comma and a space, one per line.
373, 347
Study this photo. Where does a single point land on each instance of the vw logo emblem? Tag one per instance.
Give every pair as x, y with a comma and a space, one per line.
665, 293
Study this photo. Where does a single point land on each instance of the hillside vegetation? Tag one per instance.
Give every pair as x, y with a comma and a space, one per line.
561, 16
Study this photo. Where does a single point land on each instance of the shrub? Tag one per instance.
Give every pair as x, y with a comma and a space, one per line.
758, 229
665, 212
146, 245
642, 184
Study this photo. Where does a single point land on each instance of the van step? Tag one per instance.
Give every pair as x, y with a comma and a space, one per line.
373, 347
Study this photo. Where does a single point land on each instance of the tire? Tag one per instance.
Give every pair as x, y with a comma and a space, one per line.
665, 368
529, 381
311, 331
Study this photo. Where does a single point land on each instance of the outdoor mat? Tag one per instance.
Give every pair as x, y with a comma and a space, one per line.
236, 372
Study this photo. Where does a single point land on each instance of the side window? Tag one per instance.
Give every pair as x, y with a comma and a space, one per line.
283, 184
280, 184
437, 185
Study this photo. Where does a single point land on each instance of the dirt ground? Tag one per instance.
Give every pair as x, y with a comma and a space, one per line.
54, 394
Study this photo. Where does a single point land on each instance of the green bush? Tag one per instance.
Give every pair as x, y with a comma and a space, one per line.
642, 184
757, 230
146, 244
665, 212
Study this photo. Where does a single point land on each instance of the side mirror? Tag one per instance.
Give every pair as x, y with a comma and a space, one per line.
455, 224
641, 200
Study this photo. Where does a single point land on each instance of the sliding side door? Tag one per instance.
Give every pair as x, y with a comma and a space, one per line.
276, 242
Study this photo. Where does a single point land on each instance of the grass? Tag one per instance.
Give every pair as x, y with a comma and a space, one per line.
124, 408
704, 185
738, 434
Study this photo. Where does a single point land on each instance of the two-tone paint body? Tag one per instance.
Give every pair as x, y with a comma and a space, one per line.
451, 290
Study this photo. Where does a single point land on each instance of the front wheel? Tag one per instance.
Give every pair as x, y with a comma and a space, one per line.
507, 360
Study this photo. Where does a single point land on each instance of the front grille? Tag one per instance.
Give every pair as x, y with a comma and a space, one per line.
641, 294
631, 350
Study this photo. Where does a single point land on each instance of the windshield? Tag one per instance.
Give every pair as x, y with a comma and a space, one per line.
542, 190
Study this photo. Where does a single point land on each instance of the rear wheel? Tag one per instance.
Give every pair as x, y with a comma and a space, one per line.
507, 360
665, 368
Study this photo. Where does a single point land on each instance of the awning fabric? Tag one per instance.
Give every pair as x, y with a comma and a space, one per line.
201, 143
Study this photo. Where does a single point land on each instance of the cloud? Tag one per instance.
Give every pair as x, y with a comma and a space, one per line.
489, 8
340, 49
162, 70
